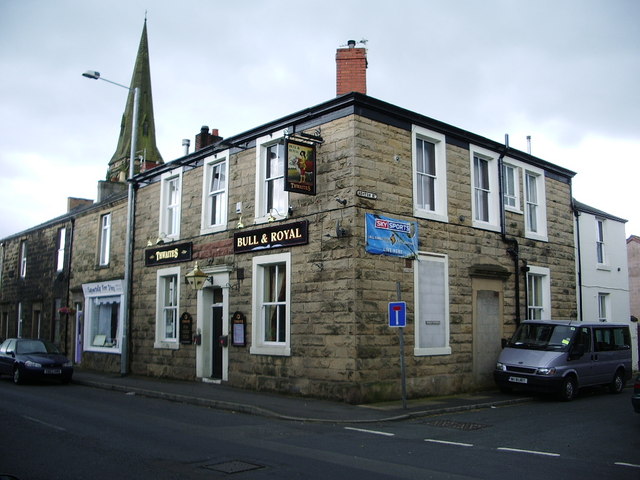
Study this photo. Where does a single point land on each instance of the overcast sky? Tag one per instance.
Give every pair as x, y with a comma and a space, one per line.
565, 72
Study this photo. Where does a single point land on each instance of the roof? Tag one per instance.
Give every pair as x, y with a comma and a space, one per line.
581, 207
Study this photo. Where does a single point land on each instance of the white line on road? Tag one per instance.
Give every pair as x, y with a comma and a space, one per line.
533, 452
55, 427
622, 464
431, 440
375, 432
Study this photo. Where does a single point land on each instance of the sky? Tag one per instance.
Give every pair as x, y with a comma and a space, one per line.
565, 72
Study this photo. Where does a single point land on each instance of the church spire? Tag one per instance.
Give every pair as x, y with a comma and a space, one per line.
147, 155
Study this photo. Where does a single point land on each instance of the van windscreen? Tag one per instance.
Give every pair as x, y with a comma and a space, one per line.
542, 336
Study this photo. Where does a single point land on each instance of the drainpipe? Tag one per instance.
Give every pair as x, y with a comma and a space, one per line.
66, 328
576, 213
514, 249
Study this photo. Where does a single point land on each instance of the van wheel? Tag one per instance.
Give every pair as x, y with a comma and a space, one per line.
617, 385
568, 389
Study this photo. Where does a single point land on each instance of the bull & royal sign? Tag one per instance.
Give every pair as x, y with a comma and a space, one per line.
277, 236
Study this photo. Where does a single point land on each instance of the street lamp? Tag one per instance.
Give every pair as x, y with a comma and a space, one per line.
128, 254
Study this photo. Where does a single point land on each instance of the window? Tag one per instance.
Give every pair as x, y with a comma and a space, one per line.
170, 204
20, 320
168, 302
432, 305
271, 302
603, 301
429, 174
62, 234
214, 194
611, 338
105, 239
510, 187
538, 293
103, 316
600, 242
271, 199
22, 267
535, 210
485, 203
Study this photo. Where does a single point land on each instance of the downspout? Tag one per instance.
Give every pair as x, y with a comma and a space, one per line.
576, 213
66, 327
514, 249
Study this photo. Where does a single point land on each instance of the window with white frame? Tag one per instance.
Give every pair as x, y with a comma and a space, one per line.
105, 239
62, 236
22, 266
214, 193
103, 316
432, 305
600, 250
603, 302
538, 293
20, 319
511, 190
429, 174
535, 205
271, 199
485, 202
271, 305
167, 305
170, 204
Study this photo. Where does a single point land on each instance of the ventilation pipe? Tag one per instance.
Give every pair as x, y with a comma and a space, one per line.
185, 145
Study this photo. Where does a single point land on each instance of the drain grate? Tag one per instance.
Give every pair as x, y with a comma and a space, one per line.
233, 466
457, 425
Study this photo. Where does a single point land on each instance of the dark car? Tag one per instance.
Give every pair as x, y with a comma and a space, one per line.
30, 359
635, 398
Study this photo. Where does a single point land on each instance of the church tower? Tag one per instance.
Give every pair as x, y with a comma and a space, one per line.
147, 154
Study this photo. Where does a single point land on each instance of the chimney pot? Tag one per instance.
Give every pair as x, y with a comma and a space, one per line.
351, 43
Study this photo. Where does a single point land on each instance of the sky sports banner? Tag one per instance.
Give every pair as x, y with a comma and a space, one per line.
388, 236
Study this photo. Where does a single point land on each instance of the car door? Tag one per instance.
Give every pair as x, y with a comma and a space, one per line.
6, 359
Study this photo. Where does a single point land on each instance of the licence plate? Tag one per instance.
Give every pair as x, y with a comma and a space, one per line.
52, 371
518, 379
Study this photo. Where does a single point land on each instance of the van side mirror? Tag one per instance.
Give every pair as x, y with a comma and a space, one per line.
576, 352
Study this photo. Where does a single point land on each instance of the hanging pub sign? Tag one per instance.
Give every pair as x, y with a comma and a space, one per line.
300, 174
388, 236
277, 236
164, 254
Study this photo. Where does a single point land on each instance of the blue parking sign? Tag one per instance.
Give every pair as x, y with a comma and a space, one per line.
397, 314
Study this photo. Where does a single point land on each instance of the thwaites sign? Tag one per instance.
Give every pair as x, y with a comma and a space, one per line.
277, 236
168, 254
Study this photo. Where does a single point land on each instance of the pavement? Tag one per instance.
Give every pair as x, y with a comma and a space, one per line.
284, 407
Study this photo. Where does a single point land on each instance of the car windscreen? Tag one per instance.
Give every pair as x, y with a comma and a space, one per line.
542, 336
25, 347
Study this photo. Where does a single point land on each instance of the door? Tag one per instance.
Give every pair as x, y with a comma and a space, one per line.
79, 333
217, 348
487, 328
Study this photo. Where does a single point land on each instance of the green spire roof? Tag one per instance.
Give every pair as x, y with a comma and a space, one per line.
147, 153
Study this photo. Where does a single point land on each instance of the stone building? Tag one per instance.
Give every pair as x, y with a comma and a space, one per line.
305, 228
633, 258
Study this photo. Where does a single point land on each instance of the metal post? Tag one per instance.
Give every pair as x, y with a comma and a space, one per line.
128, 254
402, 367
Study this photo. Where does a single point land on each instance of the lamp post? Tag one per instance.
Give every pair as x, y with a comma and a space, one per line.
128, 254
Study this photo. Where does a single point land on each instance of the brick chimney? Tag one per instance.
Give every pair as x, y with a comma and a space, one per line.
204, 138
351, 69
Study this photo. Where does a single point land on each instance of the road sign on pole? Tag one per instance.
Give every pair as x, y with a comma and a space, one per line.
397, 314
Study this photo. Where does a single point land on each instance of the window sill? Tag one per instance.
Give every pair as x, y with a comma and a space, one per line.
284, 351
166, 345
426, 352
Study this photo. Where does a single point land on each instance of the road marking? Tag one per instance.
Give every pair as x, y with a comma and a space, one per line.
533, 452
431, 440
622, 464
55, 427
375, 432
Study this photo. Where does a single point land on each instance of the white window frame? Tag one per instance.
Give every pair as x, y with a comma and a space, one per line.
439, 210
62, 238
491, 190
601, 254
163, 279
543, 305
510, 171
258, 345
422, 303
221, 194
167, 178
603, 307
539, 203
93, 292
104, 248
23, 258
262, 214
20, 323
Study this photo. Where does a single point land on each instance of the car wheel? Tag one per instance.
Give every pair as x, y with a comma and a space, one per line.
568, 389
17, 376
617, 385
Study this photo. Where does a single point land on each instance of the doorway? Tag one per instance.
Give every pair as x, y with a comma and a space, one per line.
487, 328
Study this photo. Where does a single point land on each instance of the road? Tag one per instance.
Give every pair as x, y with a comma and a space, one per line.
70, 432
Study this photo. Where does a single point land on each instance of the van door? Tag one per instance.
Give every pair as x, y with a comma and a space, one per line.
584, 365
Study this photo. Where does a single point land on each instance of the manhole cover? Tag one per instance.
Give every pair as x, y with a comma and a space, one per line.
457, 425
234, 466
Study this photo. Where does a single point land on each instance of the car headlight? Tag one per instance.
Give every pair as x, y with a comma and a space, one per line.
546, 371
30, 364
501, 367
68, 364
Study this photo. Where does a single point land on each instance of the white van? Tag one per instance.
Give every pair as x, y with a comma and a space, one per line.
561, 357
